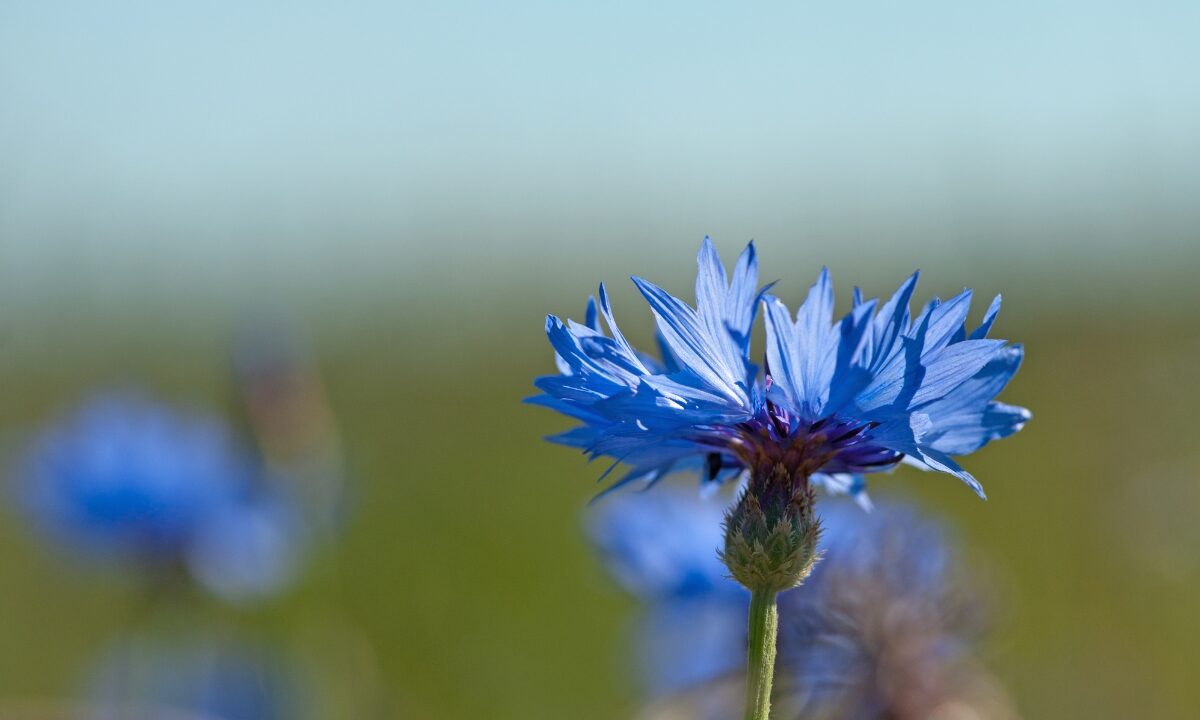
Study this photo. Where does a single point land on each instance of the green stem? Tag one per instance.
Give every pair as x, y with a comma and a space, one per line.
760, 658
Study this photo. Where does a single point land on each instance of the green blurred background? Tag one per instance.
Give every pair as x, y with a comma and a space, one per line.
419, 185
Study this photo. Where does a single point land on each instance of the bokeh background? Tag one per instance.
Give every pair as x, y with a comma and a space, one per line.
417, 185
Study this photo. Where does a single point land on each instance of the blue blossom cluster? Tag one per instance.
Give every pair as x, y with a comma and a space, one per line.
835, 398
127, 479
883, 627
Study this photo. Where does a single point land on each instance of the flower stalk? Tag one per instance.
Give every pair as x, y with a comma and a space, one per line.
760, 656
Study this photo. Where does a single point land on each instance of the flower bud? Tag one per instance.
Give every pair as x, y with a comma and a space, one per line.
771, 534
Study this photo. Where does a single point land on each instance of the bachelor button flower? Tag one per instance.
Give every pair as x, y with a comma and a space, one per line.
884, 626
127, 479
834, 400
851, 396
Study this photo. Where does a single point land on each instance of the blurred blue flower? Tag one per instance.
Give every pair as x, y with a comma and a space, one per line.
128, 479
837, 399
145, 678
885, 623
662, 548
249, 549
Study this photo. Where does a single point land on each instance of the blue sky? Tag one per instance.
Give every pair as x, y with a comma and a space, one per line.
310, 138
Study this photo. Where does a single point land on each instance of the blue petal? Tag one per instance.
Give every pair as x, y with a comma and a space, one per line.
968, 419
945, 320
849, 379
896, 381
713, 303
940, 461
691, 344
964, 433
710, 285
666, 404
590, 315
988, 318
782, 364
606, 309
670, 362
742, 301
952, 367
586, 352
580, 437
566, 392
890, 324
815, 344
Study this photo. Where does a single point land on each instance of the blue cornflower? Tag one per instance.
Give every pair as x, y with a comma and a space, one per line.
834, 400
128, 479
883, 627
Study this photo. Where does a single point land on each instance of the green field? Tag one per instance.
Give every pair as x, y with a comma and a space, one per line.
462, 587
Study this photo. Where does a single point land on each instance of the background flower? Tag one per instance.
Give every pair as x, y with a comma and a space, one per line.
889, 628
126, 479
662, 548
886, 625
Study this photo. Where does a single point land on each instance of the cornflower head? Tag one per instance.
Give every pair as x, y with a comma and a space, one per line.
834, 399
125, 479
